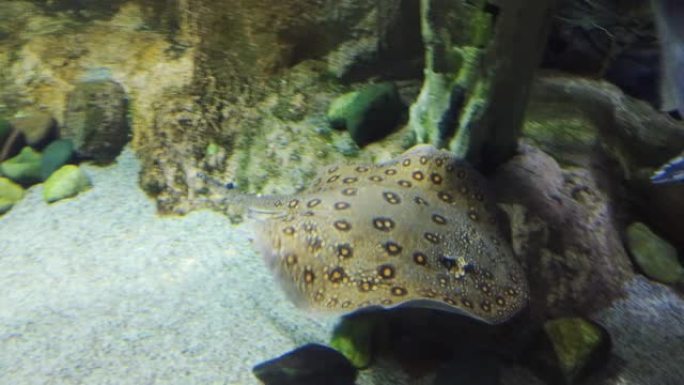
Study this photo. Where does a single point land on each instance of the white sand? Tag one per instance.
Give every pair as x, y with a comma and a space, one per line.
100, 290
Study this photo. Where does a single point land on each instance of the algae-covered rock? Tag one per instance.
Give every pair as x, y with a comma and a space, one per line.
10, 193
353, 337
369, 113
570, 348
66, 182
310, 364
95, 119
654, 256
55, 155
23, 168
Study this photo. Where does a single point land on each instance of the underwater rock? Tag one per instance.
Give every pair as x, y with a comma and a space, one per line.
311, 364
564, 230
66, 182
654, 256
55, 155
95, 119
568, 349
368, 114
10, 193
23, 168
471, 368
36, 126
354, 337
645, 326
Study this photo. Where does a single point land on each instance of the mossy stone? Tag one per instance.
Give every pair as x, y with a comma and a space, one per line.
578, 345
24, 168
654, 256
66, 182
353, 336
368, 114
10, 193
55, 155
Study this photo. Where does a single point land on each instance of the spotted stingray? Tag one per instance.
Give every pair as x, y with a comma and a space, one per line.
419, 230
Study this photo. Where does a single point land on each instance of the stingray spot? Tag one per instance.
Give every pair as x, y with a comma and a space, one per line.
391, 197
449, 300
467, 303
419, 258
362, 169
438, 219
423, 160
485, 288
449, 167
486, 306
511, 292
446, 197
278, 203
420, 201
342, 225
486, 274
344, 251
293, 204
479, 196
314, 243
436, 178
463, 190
406, 162
333, 169
308, 227
386, 271
309, 276
313, 203
500, 301
349, 191
460, 174
418, 175
341, 205
431, 237
350, 180
291, 259
289, 230
375, 178
429, 293
346, 304
319, 296
332, 302
392, 248
439, 162
307, 213
365, 286
386, 302
333, 178
404, 183
336, 275
472, 214
390, 171
383, 224
398, 291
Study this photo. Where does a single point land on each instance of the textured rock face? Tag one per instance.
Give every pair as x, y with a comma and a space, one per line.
95, 119
564, 229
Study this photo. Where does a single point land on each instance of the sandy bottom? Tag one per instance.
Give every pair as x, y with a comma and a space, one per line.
98, 289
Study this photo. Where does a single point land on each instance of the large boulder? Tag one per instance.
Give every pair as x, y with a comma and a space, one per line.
96, 119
